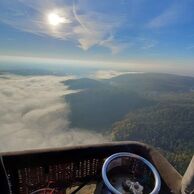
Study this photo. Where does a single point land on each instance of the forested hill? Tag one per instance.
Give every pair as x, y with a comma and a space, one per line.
168, 127
84, 83
100, 103
154, 108
140, 82
150, 82
99, 107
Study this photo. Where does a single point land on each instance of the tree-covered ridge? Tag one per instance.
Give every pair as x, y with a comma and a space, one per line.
99, 108
157, 109
154, 82
84, 83
168, 127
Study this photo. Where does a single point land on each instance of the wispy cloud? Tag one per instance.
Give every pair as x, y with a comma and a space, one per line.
143, 43
190, 47
87, 27
147, 43
169, 16
113, 45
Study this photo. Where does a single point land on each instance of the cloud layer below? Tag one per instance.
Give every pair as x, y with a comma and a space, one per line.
34, 114
107, 74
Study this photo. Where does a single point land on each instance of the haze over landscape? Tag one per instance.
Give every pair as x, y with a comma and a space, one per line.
81, 72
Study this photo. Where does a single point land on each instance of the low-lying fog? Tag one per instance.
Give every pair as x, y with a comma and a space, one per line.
34, 114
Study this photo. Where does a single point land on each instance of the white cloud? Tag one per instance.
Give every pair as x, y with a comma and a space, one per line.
87, 27
103, 74
147, 43
34, 114
114, 46
169, 16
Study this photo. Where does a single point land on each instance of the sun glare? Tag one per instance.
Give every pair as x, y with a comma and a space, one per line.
55, 20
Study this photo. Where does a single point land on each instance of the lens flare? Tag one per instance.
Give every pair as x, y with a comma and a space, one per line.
55, 20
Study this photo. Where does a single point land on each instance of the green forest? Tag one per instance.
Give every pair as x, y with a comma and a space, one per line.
157, 109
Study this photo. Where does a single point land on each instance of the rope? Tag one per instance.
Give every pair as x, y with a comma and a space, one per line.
6, 175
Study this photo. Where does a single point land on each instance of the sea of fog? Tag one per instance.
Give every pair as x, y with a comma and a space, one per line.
33, 111
34, 114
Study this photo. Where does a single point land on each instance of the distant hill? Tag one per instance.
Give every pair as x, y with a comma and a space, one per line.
103, 102
146, 82
154, 108
141, 82
99, 107
84, 83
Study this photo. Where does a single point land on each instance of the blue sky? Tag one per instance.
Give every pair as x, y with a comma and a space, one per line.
131, 34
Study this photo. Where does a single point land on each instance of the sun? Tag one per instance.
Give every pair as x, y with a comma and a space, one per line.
54, 19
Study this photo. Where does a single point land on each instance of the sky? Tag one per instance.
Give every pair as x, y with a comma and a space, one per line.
128, 34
